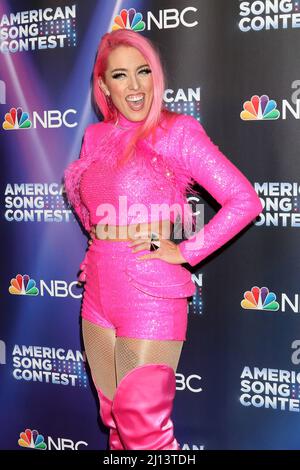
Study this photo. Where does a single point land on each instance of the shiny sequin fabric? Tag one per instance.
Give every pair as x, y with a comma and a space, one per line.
240, 203
152, 185
112, 300
160, 174
148, 298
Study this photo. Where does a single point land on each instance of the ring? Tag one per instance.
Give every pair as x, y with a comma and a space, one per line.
154, 241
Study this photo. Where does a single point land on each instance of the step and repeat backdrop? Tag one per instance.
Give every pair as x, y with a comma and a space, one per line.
234, 65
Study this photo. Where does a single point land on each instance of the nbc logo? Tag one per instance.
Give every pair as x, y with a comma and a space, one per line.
16, 119
260, 299
23, 285
32, 439
129, 19
260, 108
162, 19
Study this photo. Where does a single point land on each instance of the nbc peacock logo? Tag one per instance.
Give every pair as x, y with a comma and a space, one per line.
260, 299
129, 19
16, 119
32, 439
23, 285
260, 108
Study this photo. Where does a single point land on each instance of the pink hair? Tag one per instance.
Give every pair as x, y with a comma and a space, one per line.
126, 37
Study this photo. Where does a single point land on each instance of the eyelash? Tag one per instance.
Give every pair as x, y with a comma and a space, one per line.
117, 75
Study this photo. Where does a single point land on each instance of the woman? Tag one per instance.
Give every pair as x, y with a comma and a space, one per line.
134, 309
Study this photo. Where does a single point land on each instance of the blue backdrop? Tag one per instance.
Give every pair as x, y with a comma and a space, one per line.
234, 66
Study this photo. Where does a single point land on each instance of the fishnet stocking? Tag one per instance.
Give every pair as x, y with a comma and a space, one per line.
131, 352
99, 345
111, 358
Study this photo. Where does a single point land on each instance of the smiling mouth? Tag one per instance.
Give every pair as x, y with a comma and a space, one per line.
135, 98
136, 102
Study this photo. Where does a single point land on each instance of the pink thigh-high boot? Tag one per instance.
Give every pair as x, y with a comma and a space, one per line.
142, 408
108, 421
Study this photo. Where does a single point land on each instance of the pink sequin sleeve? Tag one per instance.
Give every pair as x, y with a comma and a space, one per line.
209, 167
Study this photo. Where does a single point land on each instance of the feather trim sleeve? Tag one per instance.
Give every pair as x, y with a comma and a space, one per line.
240, 203
72, 175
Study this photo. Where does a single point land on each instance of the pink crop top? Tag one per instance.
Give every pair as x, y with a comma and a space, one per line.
130, 194
153, 184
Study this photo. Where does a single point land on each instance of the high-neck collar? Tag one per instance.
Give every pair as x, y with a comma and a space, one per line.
127, 124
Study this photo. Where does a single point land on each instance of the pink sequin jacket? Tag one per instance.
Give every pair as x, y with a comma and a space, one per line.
161, 173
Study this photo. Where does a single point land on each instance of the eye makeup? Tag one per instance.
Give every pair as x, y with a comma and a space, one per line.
119, 74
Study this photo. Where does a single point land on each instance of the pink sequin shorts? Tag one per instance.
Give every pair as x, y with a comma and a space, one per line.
144, 299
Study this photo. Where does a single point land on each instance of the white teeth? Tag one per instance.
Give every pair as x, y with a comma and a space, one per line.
135, 98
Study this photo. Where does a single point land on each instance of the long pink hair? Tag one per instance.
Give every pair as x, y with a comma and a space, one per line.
158, 114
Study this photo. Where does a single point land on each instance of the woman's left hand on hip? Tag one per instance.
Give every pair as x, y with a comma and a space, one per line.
167, 251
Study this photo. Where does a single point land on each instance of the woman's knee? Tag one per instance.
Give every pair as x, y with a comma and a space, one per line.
132, 353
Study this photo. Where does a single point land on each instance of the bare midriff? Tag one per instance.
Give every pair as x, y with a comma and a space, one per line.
126, 232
